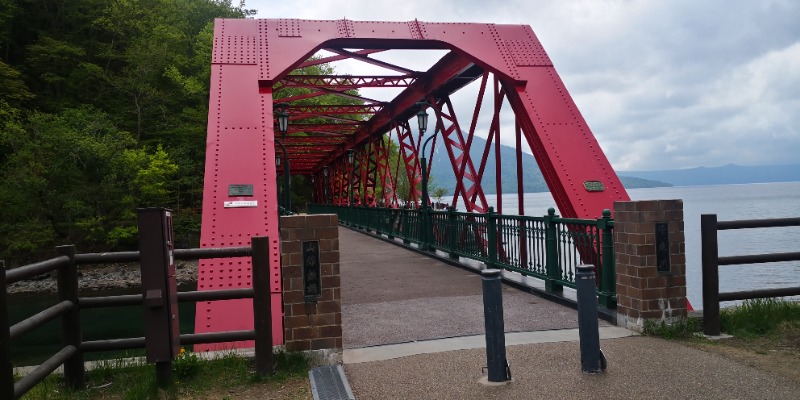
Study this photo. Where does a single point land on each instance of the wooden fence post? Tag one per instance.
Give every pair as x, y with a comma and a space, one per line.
262, 305
6, 369
710, 260
71, 334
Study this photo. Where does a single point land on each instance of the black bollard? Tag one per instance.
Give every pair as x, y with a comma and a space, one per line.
592, 360
495, 330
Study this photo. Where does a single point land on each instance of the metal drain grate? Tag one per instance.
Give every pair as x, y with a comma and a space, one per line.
330, 383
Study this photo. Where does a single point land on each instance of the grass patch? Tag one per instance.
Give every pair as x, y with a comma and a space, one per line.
680, 329
759, 317
193, 378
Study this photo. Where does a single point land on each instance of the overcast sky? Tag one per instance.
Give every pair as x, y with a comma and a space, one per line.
662, 84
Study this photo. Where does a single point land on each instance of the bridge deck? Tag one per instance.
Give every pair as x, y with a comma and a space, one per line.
394, 295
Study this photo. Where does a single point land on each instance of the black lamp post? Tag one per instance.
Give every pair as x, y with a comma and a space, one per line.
350, 156
287, 180
283, 126
426, 228
325, 182
314, 189
422, 121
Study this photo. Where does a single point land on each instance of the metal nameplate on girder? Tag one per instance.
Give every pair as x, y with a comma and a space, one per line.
240, 190
662, 247
594, 186
240, 204
312, 281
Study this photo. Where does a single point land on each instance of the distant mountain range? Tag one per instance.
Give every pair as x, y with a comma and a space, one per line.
443, 176
724, 175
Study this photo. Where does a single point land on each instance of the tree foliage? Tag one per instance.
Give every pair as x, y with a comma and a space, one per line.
103, 108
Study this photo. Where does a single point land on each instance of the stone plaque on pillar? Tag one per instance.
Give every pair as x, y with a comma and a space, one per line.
312, 282
662, 247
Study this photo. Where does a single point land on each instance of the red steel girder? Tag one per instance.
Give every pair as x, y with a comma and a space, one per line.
367, 171
448, 74
387, 184
365, 58
256, 54
307, 140
325, 60
409, 150
344, 127
306, 111
468, 184
345, 82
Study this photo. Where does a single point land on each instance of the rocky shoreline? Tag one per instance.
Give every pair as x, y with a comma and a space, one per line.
103, 277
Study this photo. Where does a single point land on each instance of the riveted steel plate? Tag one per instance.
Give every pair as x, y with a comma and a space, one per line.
528, 53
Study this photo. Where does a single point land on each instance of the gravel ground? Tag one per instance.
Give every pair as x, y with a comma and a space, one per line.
638, 368
104, 277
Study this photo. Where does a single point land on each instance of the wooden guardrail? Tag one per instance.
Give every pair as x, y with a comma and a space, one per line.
709, 226
69, 306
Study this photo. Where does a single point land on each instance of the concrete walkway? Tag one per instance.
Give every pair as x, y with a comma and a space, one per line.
393, 295
413, 329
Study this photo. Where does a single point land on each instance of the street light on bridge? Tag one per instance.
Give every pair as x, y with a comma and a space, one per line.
325, 182
283, 118
426, 226
287, 180
422, 122
283, 127
350, 156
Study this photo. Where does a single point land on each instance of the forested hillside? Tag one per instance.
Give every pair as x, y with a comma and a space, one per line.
103, 108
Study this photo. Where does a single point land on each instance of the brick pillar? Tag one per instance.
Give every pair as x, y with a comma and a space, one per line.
312, 325
645, 291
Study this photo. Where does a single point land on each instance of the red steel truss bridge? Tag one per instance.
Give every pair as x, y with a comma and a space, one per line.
510, 88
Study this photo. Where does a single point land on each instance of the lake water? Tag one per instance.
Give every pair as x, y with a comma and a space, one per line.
729, 202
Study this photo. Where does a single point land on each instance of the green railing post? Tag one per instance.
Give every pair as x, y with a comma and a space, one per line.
391, 214
608, 286
404, 228
377, 220
491, 237
451, 232
551, 248
422, 229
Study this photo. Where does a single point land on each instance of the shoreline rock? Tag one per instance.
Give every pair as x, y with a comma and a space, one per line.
103, 277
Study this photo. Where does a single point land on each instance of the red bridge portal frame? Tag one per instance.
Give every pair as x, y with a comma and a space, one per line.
252, 59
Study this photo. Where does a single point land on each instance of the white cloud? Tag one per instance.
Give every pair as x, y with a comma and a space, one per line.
662, 84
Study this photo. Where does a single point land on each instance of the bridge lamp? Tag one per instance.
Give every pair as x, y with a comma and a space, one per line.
350, 155
283, 118
422, 120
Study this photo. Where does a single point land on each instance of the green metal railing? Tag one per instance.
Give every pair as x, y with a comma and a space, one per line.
548, 248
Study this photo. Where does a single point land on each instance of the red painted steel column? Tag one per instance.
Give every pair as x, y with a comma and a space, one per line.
239, 151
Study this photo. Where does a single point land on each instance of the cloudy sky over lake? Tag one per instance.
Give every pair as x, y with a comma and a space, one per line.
662, 84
